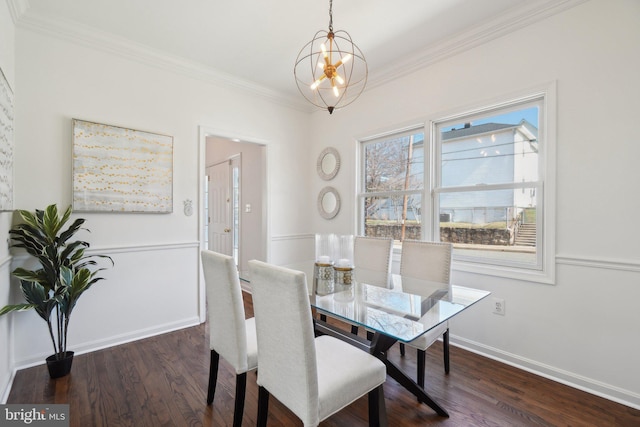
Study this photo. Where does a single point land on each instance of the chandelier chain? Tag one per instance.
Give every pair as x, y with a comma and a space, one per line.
331, 15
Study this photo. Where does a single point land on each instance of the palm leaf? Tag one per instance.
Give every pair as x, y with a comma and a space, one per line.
69, 232
36, 295
16, 307
74, 251
29, 218
29, 275
51, 222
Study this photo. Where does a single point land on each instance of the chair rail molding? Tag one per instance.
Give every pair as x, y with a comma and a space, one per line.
610, 264
6, 261
22, 255
286, 237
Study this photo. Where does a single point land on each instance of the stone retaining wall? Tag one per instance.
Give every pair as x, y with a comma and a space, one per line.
478, 236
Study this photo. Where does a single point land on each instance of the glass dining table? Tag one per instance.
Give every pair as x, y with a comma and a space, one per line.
401, 312
393, 315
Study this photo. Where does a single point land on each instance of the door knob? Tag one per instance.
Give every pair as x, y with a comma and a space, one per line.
226, 230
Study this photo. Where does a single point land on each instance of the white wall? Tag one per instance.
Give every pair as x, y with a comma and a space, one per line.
7, 61
582, 330
154, 285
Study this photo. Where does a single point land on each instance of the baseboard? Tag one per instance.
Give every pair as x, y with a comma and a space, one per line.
92, 346
6, 388
606, 391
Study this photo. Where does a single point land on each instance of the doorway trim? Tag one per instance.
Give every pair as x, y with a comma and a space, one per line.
208, 131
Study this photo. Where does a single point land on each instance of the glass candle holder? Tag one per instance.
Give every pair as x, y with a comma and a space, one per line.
323, 274
343, 264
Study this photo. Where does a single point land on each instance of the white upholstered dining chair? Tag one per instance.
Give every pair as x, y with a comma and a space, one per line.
313, 377
230, 335
428, 261
372, 260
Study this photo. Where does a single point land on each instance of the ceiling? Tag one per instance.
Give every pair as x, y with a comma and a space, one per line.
257, 41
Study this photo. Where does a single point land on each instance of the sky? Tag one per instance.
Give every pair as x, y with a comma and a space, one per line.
529, 114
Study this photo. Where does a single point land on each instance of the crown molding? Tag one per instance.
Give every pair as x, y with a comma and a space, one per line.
17, 8
96, 39
508, 22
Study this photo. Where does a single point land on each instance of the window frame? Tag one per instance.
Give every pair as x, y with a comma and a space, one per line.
544, 269
361, 192
545, 186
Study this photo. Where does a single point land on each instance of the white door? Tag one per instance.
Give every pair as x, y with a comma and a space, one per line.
220, 238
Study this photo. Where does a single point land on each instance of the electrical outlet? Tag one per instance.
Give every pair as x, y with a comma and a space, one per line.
498, 306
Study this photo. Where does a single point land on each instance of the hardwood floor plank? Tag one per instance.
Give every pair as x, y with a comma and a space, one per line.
162, 381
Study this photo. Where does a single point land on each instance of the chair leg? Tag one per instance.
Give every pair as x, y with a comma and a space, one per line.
241, 387
377, 408
421, 362
213, 376
445, 350
323, 317
263, 406
354, 330
402, 349
369, 335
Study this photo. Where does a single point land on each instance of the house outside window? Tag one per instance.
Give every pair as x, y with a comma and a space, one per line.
476, 180
488, 183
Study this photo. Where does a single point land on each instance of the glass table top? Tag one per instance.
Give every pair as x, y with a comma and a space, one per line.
394, 312
405, 310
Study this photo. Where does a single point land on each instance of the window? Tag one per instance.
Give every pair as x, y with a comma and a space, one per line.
488, 184
392, 187
482, 188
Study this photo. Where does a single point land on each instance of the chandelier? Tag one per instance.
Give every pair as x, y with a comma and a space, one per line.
330, 70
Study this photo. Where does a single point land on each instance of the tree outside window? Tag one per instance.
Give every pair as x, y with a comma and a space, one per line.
394, 183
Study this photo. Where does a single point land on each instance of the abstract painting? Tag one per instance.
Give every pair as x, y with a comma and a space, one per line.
116, 169
6, 144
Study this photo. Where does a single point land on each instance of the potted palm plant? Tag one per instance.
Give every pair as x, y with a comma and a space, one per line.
64, 274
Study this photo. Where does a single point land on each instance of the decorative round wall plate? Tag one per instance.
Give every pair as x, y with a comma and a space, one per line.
328, 163
328, 202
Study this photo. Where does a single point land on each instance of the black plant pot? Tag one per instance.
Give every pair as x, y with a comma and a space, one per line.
60, 367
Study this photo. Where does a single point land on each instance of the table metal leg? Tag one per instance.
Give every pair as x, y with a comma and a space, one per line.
394, 372
379, 346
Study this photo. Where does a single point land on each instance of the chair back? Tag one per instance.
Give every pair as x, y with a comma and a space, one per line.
372, 260
429, 261
286, 346
225, 308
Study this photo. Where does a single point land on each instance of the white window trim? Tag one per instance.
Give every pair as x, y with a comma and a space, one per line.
547, 227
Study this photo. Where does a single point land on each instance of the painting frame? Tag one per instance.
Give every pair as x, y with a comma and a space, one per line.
118, 169
6, 144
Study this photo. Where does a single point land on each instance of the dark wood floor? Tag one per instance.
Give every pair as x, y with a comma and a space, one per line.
161, 381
